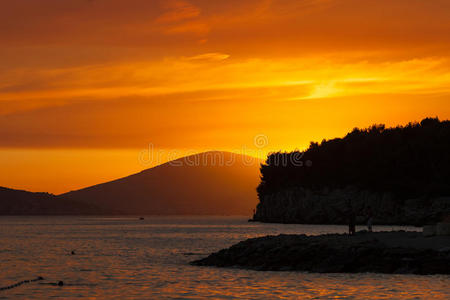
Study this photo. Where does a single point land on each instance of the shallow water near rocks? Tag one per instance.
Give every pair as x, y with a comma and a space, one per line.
128, 258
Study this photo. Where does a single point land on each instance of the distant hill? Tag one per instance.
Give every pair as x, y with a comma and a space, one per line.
219, 183
17, 202
402, 173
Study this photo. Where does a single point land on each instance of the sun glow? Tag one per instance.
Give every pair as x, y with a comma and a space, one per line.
200, 76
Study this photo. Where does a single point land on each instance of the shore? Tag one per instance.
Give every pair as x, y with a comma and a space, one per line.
396, 252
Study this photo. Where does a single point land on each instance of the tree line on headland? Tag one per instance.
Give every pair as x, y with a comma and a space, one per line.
411, 161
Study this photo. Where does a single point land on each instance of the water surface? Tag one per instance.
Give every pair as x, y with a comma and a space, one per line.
128, 258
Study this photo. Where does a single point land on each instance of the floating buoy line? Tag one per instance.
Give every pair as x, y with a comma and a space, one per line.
20, 283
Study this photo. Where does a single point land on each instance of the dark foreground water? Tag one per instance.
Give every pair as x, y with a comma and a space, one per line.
127, 258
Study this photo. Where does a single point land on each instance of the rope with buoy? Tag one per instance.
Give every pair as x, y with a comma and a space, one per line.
20, 283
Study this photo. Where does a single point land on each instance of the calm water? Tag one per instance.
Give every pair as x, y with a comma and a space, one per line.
125, 258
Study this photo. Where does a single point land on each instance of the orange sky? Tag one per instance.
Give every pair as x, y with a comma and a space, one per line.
87, 86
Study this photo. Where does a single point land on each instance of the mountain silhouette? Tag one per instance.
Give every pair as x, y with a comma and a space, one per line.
209, 183
18, 202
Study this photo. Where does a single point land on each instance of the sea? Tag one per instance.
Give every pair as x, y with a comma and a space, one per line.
131, 258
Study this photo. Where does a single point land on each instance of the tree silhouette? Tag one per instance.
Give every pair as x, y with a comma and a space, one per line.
409, 161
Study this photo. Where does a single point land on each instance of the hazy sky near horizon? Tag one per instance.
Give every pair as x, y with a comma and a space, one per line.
87, 85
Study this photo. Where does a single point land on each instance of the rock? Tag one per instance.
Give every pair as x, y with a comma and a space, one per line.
329, 206
429, 230
334, 253
441, 203
443, 229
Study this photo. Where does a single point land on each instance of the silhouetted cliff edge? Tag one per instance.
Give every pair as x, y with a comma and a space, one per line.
402, 173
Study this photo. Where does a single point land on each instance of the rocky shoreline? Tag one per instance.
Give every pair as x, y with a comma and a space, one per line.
329, 206
381, 252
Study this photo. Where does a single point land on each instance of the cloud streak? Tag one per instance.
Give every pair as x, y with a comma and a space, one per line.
116, 74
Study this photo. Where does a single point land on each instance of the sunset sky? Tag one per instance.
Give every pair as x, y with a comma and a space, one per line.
89, 87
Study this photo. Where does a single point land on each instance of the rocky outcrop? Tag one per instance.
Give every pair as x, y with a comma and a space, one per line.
438, 229
330, 206
386, 252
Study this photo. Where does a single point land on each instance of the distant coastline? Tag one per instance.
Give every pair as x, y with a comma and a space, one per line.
208, 183
19, 202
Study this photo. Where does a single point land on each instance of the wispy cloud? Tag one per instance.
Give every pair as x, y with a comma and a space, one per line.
221, 55
318, 77
181, 17
215, 56
178, 10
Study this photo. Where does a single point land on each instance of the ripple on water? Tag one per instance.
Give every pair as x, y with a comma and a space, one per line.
119, 258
